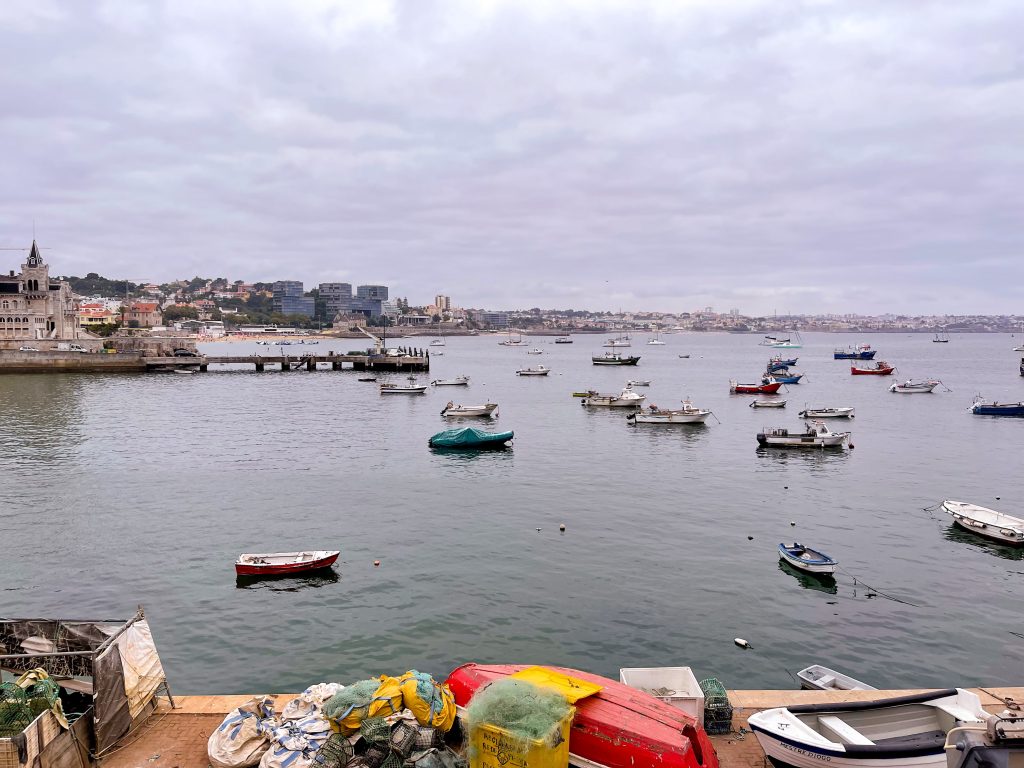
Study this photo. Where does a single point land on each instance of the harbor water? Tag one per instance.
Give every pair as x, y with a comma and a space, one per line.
144, 488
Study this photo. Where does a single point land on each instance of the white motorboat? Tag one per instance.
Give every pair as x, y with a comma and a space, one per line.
540, 370
535, 351
819, 678
393, 388
842, 412
768, 404
510, 342
563, 340
487, 409
986, 522
904, 732
638, 383
688, 414
656, 339
808, 560
817, 435
458, 381
626, 399
911, 387
437, 343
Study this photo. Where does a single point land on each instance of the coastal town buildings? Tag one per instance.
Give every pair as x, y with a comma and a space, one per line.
143, 314
32, 306
290, 299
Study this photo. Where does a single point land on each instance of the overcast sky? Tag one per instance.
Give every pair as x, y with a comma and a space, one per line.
811, 156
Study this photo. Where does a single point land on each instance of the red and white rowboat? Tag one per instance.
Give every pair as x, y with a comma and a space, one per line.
881, 369
754, 389
277, 563
617, 727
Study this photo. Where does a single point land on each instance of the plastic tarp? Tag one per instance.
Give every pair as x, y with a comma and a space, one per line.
469, 437
143, 672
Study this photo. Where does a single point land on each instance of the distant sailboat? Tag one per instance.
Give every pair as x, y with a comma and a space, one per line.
941, 338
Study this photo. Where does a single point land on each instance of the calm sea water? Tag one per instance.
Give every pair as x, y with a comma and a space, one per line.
128, 489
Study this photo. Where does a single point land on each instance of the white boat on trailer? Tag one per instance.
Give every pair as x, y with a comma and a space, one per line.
986, 522
688, 414
486, 409
902, 732
817, 435
819, 678
626, 399
843, 412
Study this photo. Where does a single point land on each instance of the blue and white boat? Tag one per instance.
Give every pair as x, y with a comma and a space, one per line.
861, 352
981, 408
778, 364
784, 377
807, 559
902, 732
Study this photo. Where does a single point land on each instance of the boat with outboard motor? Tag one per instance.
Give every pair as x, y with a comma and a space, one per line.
614, 358
540, 370
902, 732
981, 408
816, 435
614, 726
563, 340
783, 377
819, 678
844, 412
688, 414
626, 399
764, 388
768, 404
860, 352
393, 388
485, 409
807, 559
777, 363
458, 381
638, 383
986, 522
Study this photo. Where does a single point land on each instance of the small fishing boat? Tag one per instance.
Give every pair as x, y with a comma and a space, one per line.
986, 522
881, 368
188, 371
617, 342
786, 343
437, 343
819, 678
280, 563
615, 727
367, 378
535, 351
614, 358
638, 383
626, 399
684, 357
563, 340
458, 381
807, 559
861, 352
471, 439
904, 732
393, 388
768, 404
486, 409
844, 412
981, 408
754, 389
778, 362
655, 415
510, 342
941, 338
817, 435
911, 387
540, 370
655, 341
783, 377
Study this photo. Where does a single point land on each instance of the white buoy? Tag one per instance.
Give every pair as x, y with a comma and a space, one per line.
742, 643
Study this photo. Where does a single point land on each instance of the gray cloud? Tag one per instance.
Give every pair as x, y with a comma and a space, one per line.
826, 156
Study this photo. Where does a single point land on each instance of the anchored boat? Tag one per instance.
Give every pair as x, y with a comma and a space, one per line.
768, 404
615, 727
981, 408
903, 732
783, 377
827, 413
471, 439
281, 563
614, 358
540, 370
807, 559
769, 388
626, 399
862, 352
911, 387
393, 388
986, 522
881, 368
777, 363
685, 415
486, 409
817, 435
458, 381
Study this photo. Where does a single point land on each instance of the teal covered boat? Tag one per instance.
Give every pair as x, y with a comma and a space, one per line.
470, 439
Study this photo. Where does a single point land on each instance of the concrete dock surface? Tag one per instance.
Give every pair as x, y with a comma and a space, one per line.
176, 738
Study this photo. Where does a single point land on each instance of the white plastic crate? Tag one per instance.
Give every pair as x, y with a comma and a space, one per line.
685, 690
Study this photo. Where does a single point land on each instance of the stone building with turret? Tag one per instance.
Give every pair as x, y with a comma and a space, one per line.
34, 308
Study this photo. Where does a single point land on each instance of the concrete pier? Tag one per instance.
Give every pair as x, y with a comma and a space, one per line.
176, 738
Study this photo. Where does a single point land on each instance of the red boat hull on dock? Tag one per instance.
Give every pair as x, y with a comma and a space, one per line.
617, 727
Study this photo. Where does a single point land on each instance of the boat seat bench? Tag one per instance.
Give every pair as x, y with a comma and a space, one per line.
843, 732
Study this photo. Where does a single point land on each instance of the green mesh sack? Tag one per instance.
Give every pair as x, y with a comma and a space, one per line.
15, 713
526, 711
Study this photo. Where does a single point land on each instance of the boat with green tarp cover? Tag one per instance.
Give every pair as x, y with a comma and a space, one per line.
470, 439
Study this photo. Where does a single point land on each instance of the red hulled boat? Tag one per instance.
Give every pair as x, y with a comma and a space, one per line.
284, 563
769, 388
881, 368
617, 727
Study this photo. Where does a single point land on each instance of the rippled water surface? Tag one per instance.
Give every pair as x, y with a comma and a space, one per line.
128, 489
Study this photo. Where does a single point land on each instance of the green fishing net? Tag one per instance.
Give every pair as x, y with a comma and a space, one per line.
526, 711
350, 698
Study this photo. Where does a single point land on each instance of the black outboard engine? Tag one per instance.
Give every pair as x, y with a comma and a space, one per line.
1000, 744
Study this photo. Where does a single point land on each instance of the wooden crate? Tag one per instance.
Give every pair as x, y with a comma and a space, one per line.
38, 734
